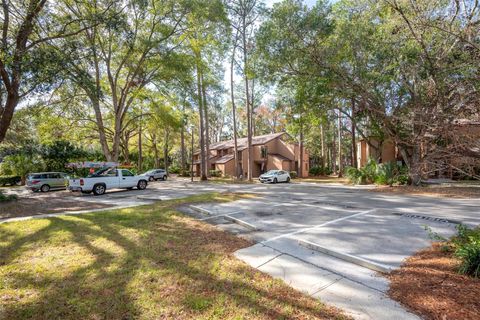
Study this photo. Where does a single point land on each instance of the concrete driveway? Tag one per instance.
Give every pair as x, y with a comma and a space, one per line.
336, 242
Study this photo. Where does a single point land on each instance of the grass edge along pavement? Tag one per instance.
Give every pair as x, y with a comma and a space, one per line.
144, 262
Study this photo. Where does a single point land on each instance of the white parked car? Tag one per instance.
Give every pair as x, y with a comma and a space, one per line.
274, 176
106, 179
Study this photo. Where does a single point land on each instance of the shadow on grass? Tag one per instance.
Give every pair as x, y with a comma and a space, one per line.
146, 262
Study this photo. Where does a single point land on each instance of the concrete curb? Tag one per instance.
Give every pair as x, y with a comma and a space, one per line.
201, 210
346, 257
218, 216
151, 198
242, 223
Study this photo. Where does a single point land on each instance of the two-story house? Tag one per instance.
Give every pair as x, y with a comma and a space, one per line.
270, 152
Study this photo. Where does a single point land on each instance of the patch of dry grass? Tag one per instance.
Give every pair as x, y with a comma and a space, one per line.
147, 262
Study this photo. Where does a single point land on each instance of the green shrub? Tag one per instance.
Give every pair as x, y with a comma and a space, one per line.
293, 174
215, 173
10, 180
4, 198
388, 173
174, 169
355, 175
319, 171
467, 248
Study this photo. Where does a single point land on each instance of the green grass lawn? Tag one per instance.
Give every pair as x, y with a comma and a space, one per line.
147, 262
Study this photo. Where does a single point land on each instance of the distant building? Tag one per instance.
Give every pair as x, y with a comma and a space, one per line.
270, 152
464, 142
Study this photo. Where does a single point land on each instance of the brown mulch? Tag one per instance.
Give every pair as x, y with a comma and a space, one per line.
24, 207
428, 284
442, 192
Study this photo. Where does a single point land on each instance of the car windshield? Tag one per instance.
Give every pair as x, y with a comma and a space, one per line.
270, 172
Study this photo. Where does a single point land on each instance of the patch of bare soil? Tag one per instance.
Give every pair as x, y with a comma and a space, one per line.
24, 207
443, 192
429, 285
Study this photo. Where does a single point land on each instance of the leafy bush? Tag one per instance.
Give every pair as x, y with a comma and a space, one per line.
21, 165
293, 174
467, 248
4, 198
356, 176
10, 180
174, 169
215, 173
384, 174
319, 171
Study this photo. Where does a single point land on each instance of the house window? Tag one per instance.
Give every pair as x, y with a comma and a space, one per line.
264, 152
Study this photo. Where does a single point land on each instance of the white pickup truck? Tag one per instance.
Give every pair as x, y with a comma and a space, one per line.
106, 179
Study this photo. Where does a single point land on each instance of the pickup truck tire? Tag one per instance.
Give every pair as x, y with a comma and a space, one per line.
99, 189
45, 188
141, 185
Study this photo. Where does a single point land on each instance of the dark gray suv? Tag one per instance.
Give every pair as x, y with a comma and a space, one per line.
46, 181
156, 174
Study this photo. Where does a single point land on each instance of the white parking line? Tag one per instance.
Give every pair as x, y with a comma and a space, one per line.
318, 226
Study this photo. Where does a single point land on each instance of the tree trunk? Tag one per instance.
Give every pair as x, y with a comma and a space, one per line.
140, 151
182, 146
155, 151
234, 116
300, 160
247, 105
7, 114
340, 165
354, 141
165, 150
334, 149
203, 175
207, 125
322, 140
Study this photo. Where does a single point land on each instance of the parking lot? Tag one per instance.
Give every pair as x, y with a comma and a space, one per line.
334, 242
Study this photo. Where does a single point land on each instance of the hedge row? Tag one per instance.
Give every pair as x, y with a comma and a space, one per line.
9, 180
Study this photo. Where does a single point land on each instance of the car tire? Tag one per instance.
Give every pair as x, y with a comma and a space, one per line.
275, 180
142, 185
45, 188
151, 178
99, 189
288, 180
